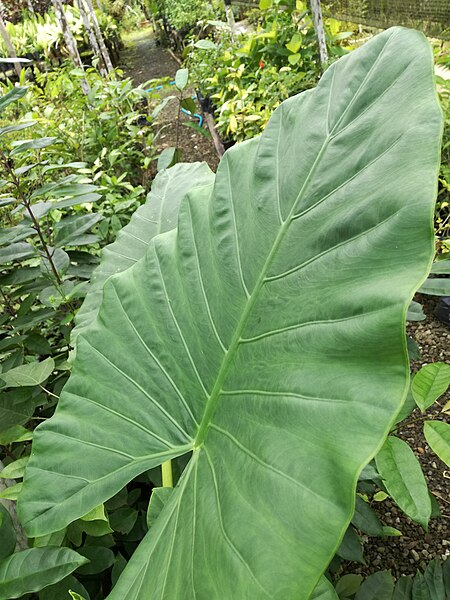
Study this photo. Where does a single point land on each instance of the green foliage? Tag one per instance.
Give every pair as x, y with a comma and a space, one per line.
244, 278
53, 222
41, 36
181, 15
248, 75
109, 131
430, 585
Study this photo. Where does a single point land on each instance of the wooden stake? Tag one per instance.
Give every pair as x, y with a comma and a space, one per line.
101, 41
92, 38
70, 42
320, 31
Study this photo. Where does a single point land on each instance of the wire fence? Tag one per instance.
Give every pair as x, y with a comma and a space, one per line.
430, 16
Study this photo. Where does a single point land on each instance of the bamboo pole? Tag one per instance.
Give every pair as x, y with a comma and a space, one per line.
92, 38
316, 10
101, 41
70, 42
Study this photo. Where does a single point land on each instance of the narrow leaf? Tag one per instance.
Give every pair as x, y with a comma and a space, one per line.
435, 287
12, 96
12, 492
16, 469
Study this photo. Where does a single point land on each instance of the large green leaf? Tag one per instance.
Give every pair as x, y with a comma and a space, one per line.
157, 215
31, 570
265, 335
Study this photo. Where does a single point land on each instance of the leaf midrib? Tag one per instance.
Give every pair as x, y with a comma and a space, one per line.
212, 403
213, 400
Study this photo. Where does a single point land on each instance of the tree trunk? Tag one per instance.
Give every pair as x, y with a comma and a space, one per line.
9, 45
101, 41
70, 42
31, 7
230, 17
320, 31
92, 38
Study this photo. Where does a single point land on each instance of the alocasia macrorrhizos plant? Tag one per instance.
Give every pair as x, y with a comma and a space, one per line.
266, 336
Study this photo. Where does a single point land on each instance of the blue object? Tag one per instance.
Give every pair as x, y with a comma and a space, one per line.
186, 112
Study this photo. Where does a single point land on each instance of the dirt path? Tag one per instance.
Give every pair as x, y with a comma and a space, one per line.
144, 60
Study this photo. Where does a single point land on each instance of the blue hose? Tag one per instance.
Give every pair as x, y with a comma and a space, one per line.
186, 112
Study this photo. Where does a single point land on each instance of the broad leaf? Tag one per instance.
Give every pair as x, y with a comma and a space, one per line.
351, 547
256, 337
435, 580
348, 585
420, 588
378, 586
429, 383
157, 215
403, 589
7, 533
31, 570
437, 434
365, 519
404, 480
181, 79
60, 590
32, 374
16, 251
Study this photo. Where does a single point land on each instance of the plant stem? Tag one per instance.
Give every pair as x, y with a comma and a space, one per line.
178, 122
9, 306
167, 476
26, 203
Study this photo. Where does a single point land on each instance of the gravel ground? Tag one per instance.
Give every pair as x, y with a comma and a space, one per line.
415, 548
142, 60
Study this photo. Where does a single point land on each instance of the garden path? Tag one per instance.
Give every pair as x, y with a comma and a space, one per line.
144, 59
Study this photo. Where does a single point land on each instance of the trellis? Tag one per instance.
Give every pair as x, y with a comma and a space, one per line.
430, 16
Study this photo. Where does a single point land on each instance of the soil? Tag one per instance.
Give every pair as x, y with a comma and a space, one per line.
144, 60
